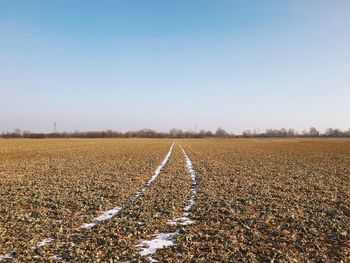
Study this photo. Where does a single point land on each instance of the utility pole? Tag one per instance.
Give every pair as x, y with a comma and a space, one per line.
55, 127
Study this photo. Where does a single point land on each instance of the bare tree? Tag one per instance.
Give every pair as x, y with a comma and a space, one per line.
247, 133
313, 132
209, 134
291, 133
173, 132
333, 132
283, 132
220, 132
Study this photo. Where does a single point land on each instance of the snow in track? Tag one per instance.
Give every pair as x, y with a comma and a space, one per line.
43, 242
110, 213
106, 215
149, 247
156, 173
7, 256
159, 241
185, 220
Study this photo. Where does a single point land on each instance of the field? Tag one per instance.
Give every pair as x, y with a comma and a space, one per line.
118, 200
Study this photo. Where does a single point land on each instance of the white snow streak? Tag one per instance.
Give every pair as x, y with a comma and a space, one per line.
57, 257
163, 240
159, 241
160, 167
106, 215
194, 181
6, 256
184, 220
44, 242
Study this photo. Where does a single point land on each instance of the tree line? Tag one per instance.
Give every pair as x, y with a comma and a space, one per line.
178, 133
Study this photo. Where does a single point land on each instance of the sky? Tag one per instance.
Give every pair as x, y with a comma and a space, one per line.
200, 64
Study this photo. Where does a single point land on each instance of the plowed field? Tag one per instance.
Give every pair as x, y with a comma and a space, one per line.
140, 200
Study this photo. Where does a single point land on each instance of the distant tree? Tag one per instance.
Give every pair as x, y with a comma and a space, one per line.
304, 132
313, 132
180, 133
329, 132
291, 133
220, 132
283, 132
272, 133
202, 134
173, 132
347, 133
209, 134
247, 133
177, 133
269, 132
333, 132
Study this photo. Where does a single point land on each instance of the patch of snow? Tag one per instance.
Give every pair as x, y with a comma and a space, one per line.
43, 243
7, 256
139, 193
106, 215
184, 221
158, 242
57, 257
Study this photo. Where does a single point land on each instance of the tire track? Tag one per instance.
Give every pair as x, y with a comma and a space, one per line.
115, 239
106, 215
163, 240
115, 210
185, 220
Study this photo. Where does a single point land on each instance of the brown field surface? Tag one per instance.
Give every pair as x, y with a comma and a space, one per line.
254, 200
50, 187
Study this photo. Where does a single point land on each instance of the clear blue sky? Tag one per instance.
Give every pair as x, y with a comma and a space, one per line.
126, 65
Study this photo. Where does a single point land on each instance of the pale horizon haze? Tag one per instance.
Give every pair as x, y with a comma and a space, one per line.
128, 65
